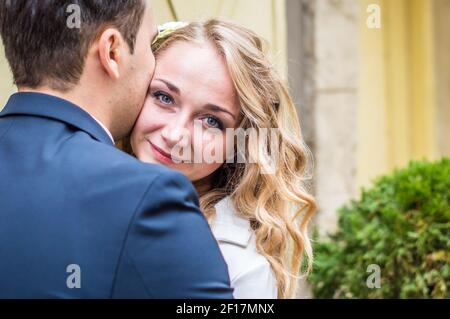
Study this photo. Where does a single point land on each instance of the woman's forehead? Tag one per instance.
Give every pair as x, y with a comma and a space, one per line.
192, 58
193, 67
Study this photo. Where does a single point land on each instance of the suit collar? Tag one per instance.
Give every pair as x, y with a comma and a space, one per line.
43, 105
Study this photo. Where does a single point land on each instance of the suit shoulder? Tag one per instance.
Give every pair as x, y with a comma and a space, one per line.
119, 175
105, 157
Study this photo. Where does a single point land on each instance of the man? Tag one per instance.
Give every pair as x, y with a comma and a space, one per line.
79, 218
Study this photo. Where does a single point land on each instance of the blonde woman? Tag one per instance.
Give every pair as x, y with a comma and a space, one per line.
214, 77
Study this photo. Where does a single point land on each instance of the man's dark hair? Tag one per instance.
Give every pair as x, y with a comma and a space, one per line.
43, 49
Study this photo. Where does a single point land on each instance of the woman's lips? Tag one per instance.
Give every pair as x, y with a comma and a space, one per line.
161, 155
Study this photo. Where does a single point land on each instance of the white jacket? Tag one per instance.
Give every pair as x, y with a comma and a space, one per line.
250, 273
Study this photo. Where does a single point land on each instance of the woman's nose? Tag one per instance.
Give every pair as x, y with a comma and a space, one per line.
175, 133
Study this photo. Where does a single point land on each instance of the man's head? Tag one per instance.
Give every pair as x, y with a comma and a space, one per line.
81, 45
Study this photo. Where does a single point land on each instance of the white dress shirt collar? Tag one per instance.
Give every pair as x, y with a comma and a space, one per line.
104, 128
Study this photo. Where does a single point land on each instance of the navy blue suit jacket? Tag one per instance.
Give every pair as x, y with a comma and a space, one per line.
81, 219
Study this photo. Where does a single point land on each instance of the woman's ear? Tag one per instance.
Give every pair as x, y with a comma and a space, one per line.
110, 50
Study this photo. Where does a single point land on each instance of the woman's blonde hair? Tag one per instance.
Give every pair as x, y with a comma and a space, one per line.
277, 204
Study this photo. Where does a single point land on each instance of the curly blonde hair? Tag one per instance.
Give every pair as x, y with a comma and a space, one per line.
277, 205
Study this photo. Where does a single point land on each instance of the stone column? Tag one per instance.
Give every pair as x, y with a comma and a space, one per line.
323, 40
337, 63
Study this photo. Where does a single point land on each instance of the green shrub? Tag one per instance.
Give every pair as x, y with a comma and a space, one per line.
401, 224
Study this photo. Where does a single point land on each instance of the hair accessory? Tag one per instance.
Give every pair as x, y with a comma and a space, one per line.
167, 28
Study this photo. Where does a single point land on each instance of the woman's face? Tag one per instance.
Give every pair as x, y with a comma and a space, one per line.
190, 104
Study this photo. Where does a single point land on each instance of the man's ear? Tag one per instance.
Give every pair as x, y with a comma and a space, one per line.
111, 50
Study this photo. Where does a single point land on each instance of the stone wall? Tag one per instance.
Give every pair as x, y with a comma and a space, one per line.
323, 73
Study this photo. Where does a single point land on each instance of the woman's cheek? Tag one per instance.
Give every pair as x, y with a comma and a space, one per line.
151, 119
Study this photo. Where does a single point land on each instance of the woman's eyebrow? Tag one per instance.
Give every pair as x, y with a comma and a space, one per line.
217, 108
171, 86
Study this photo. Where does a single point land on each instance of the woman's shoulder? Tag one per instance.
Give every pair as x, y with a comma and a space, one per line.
250, 272
229, 227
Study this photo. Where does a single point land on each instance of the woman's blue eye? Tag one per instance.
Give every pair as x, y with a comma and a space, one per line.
214, 123
163, 98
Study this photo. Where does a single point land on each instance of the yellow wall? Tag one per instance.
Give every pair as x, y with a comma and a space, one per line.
397, 96
6, 86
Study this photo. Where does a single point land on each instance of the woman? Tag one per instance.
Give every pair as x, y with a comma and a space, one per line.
211, 78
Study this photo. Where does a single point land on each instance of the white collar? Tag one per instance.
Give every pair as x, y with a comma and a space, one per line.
228, 226
104, 128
